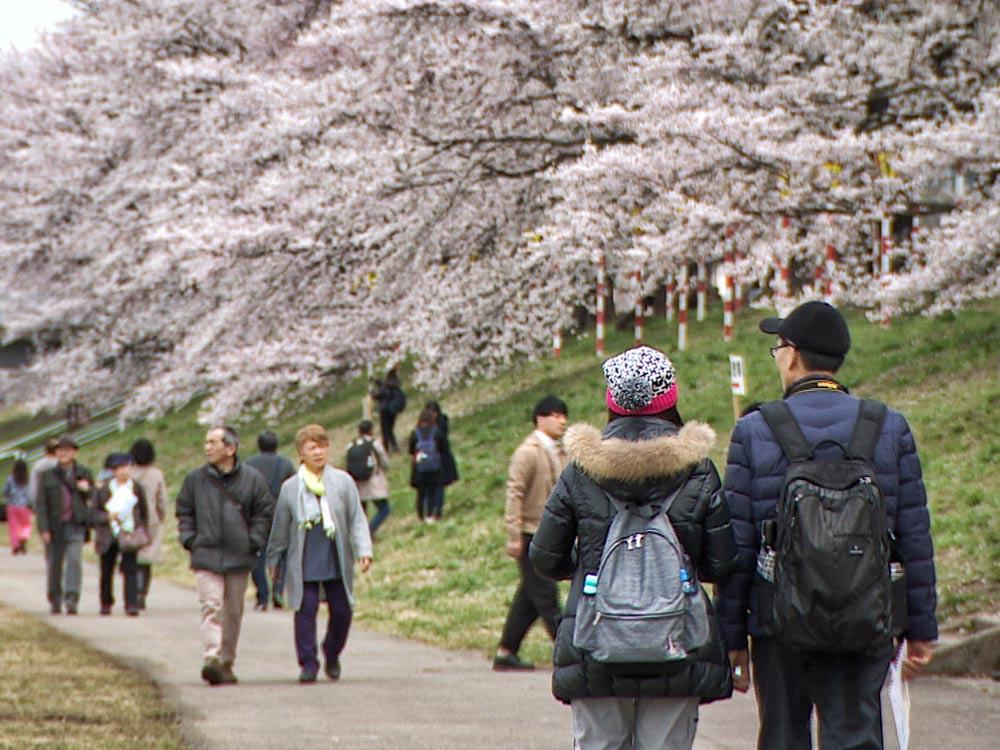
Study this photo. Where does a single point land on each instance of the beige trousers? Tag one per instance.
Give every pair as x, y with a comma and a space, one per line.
221, 597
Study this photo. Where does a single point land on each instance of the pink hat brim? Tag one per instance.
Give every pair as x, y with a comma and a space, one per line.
661, 403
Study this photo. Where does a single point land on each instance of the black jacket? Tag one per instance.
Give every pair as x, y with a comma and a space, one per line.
224, 535
48, 504
637, 460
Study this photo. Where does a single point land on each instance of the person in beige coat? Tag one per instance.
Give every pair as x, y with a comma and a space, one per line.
150, 478
375, 488
534, 470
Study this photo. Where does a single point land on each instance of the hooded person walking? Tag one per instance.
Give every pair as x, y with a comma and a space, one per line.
645, 464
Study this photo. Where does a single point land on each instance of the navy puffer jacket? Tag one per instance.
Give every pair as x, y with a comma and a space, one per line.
755, 472
638, 460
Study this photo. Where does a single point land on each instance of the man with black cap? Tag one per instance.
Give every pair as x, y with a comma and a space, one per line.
62, 511
790, 681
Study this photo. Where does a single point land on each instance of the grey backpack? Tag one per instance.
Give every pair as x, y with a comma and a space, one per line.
645, 606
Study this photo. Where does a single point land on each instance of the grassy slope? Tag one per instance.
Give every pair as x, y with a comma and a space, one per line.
106, 707
450, 583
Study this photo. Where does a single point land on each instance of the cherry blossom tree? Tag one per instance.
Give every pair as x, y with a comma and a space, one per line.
252, 200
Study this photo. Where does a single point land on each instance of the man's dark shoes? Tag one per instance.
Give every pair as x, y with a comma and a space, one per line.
105, 609
511, 663
55, 609
307, 675
332, 669
212, 672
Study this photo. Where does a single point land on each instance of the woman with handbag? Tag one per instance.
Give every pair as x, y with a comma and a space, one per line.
120, 517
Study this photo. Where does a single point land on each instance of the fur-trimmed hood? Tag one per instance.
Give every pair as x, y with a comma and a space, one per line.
643, 458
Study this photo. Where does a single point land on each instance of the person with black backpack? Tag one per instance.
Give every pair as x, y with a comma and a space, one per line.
836, 558
427, 450
638, 521
367, 463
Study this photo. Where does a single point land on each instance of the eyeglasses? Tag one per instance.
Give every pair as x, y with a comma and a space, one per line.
774, 349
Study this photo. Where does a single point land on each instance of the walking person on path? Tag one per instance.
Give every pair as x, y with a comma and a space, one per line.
534, 470
62, 514
645, 463
275, 468
391, 400
153, 484
119, 511
16, 493
46, 462
321, 529
367, 463
427, 449
818, 414
224, 512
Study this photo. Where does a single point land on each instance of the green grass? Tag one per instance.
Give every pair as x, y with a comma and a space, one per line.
450, 583
103, 707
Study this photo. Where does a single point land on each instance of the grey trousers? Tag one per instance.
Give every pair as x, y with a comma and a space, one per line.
634, 723
845, 690
64, 556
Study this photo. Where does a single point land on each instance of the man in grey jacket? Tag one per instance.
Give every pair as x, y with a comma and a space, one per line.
224, 512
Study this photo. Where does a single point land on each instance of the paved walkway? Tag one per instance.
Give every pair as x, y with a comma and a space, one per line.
396, 694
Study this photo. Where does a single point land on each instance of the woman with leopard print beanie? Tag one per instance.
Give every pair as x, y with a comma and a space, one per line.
645, 456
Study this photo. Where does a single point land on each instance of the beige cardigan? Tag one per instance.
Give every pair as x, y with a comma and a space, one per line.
532, 477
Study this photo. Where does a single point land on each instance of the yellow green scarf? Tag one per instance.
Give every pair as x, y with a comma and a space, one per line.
312, 482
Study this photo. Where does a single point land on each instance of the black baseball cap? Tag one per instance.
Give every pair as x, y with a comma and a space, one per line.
812, 327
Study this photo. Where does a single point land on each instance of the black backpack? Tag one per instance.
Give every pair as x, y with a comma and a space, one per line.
361, 459
832, 589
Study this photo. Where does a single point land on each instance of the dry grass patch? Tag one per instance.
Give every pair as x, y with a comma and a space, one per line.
57, 693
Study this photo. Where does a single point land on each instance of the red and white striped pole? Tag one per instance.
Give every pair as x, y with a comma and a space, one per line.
671, 292
601, 295
640, 307
682, 309
917, 255
557, 342
702, 290
729, 294
831, 265
784, 270
885, 262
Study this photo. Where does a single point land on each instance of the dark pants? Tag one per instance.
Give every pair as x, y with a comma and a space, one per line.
387, 423
145, 577
259, 576
535, 598
844, 689
63, 557
381, 513
430, 500
337, 626
129, 568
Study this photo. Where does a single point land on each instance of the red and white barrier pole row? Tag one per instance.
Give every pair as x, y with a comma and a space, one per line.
601, 294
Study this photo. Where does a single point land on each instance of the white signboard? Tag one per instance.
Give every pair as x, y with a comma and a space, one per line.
736, 375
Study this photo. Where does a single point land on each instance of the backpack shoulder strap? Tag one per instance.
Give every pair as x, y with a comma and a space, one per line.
787, 431
871, 415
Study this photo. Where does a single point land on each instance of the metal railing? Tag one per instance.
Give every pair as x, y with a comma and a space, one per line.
30, 447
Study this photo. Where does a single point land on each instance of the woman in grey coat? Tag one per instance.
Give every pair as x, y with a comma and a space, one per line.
320, 527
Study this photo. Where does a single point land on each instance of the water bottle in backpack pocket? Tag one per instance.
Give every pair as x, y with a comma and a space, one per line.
643, 605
